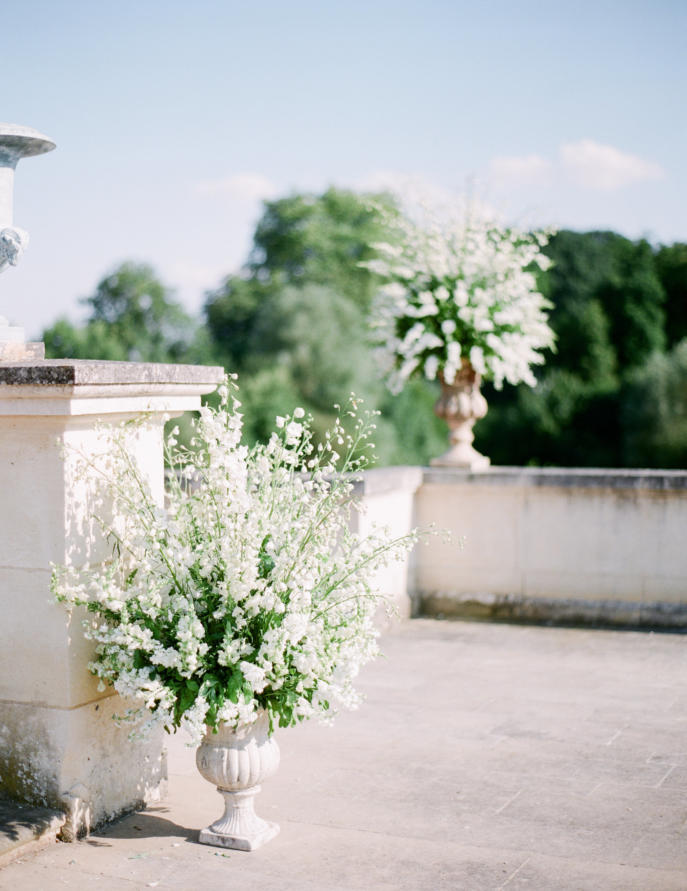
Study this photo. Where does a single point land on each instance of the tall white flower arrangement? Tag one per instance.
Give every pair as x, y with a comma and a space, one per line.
248, 591
460, 289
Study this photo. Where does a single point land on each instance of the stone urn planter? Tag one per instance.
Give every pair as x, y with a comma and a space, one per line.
237, 761
16, 142
460, 405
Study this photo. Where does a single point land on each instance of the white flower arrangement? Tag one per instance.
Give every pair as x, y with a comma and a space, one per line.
248, 591
460, 291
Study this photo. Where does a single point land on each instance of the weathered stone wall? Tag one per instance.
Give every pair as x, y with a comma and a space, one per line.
599, 546
387, 500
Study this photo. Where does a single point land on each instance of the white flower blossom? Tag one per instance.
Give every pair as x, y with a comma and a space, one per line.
461, 282
249, 591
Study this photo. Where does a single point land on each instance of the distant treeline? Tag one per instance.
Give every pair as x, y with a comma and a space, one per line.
614, 394
293, 324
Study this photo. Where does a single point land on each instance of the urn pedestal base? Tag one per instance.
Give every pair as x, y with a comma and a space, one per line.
462, 456
240, 828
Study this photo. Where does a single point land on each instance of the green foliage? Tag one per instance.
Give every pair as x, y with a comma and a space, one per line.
584, 345
319, 240
671, 269
610, 316
408, 431
607, 302
264, 395
654, 411
633, 299
132, 317
323, 343
294, 324
92, 341
300, 241
234, 315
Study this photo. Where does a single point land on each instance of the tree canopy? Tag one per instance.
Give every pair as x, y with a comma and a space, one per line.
321, 240
293, 323
133, 316
613, 318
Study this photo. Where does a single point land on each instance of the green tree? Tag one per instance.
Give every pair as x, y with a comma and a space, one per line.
608, 315
654, 411
671, 269
634, 299
133, 316
315, 353
293, 324
300, 240
320, 239
582, 262
237, 318
65, 340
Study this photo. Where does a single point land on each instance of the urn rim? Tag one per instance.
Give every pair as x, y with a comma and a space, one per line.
24, 141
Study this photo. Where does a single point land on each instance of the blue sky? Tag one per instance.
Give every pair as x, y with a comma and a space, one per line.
173, 120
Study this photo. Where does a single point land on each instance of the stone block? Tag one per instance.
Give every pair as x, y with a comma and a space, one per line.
78, 761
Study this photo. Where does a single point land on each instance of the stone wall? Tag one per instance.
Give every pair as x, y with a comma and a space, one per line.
591, 546
387, 499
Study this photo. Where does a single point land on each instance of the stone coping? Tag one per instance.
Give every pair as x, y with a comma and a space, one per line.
561, 477
86, 372
382, 480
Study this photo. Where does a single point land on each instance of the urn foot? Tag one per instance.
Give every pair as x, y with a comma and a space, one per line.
239, 828
463, 457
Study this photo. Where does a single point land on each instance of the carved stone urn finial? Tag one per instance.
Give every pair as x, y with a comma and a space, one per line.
16, 142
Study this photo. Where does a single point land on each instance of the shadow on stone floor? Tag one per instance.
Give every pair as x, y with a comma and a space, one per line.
17, 819
148, 824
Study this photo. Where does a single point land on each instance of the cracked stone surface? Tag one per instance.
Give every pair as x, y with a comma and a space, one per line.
485, 757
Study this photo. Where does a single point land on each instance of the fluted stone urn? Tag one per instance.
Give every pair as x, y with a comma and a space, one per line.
237, 761
461, 404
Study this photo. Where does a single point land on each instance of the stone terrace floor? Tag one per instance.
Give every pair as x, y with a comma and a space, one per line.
485, 757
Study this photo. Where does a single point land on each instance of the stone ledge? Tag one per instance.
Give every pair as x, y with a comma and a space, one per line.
554, 611
25, 829
86, 372
560, 477
382, 480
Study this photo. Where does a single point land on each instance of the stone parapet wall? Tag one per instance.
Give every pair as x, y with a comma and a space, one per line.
387, 499
555, 545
